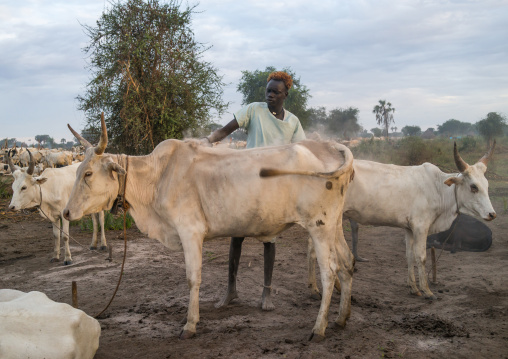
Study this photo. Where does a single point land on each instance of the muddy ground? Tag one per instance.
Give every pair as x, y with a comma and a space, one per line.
469, 319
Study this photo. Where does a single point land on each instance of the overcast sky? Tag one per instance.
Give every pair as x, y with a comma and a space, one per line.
433, 60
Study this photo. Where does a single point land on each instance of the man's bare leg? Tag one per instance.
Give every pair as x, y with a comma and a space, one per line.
235, 251
354, 234
269, 257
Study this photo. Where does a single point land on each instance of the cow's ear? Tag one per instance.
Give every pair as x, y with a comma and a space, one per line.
453, 180
112, 166
40, 180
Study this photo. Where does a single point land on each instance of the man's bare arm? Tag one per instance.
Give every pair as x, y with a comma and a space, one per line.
221, 133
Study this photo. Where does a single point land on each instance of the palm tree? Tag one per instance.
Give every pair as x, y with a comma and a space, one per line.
384, 114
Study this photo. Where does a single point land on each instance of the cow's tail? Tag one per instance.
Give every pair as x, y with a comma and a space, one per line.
345, 167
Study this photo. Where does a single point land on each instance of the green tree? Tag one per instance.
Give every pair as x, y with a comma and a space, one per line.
453, 128
8, 142
411, 130
491, 126
252, 86
45, 139
344, 121
148, 75
365, 133
317, 116
376, 131
384, 114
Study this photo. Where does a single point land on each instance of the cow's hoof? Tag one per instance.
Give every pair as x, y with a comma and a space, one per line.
53, 260
185, 334
415, 292
104, 248
316, 296
92, 248
431, 297
360, 259
66, 263
316, 338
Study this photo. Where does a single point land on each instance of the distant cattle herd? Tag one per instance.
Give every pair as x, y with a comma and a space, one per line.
43, 158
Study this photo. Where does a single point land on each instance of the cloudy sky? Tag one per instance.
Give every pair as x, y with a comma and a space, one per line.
432, 59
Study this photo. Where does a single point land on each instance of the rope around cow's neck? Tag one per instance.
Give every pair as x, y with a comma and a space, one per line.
125, 206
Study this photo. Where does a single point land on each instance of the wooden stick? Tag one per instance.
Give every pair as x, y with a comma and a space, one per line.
110, 250
74, 294
434, 269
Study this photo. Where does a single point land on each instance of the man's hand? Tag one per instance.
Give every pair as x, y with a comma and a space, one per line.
204, 141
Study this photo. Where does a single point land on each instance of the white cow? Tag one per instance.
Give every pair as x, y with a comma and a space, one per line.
24, 157
50, 192
422, 200
183, 193
34, 326
57, 159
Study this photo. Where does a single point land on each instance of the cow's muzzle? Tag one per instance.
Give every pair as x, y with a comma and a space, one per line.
492, 216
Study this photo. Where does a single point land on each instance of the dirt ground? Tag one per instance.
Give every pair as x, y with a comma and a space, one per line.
469, 319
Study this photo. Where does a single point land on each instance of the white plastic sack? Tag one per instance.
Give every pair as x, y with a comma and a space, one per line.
33, 326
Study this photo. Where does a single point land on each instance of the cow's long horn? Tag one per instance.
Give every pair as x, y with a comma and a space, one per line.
101, 147
459, 162
485, 159
9, 160
31, 165
80, 138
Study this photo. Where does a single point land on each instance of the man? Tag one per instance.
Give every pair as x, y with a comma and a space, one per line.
267, 124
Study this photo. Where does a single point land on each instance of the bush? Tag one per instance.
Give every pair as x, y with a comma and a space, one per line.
5, 187
374, 150
413, 151
467, 144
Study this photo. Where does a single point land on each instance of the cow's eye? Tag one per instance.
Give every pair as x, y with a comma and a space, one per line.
23, 188
474, 189
88, 174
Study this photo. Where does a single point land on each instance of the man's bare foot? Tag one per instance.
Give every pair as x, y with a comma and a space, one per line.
266, 300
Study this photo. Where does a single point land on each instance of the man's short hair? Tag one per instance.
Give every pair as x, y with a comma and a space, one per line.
281, 76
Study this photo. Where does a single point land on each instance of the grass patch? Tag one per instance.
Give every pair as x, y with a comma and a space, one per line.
412, 151
111, 222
